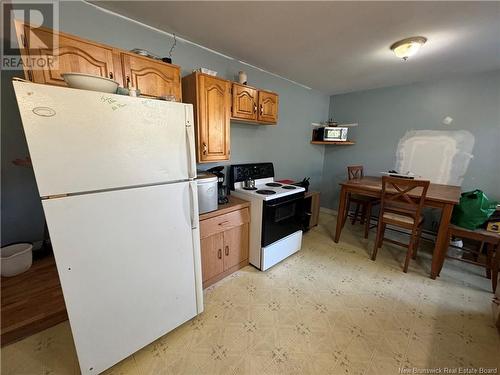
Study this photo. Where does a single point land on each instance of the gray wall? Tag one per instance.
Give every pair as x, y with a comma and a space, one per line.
384, 115
287, 145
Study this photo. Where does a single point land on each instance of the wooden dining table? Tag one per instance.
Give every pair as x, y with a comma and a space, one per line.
439, 196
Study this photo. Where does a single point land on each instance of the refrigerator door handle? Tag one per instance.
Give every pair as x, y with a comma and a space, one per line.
191, 143
193, 200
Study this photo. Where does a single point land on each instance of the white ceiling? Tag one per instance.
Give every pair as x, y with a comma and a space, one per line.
335, 46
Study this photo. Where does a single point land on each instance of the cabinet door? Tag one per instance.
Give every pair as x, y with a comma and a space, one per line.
70, 55
212, 262
213, 118
268, 107
244, 102
235, 246
153, 78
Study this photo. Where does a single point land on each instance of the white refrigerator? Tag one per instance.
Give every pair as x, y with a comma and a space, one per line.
116, 178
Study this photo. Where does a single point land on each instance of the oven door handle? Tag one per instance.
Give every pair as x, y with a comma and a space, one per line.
283, 203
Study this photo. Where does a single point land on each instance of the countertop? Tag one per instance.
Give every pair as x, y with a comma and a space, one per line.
233, 205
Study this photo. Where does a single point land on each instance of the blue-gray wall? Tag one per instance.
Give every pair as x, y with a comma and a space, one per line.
287, 145
384, 115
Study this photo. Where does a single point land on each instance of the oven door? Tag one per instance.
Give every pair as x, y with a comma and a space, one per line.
282, 217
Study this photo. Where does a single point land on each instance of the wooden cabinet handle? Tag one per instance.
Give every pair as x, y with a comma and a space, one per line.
261, 109
205, 149
227, 250
219, 254
223, 223
128, 82
111, 75
254, 107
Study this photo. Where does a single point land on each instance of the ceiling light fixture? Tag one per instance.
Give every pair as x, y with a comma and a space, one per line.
408, 47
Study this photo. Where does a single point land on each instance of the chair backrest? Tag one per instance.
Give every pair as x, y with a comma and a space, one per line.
403, 196
354, 172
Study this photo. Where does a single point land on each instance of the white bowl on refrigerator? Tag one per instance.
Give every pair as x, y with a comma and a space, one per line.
90, 82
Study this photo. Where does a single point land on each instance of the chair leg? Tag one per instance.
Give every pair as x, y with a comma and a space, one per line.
417, 242
408, 256
377, 239
479, 251
489, 251
368, 219
363, 214
356, 212
411, 249
381, 239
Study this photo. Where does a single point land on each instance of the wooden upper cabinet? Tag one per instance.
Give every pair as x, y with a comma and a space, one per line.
268, 107
244, 102
253, 105
70, 55
213, 118
211, 98
153, 78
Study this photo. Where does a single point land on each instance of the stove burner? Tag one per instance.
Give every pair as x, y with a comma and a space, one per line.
249, 188
289, 187
265, 192
273, 184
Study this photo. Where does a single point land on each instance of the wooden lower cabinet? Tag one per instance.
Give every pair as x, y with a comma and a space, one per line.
224, 244
236, 246
212, 262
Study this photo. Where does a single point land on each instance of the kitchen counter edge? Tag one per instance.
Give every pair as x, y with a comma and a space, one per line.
233, 205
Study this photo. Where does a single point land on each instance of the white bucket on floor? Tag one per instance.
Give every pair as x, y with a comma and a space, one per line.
16, 258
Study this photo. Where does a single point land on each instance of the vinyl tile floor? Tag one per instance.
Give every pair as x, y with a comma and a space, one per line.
328, 309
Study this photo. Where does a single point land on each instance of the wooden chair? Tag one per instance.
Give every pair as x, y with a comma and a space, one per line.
492, 241
399, 208
364, 202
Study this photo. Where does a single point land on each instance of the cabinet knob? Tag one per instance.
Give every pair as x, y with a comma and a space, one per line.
254, 107
205, 148
111, 75
128, 82
219, 254
227, 250
261, 109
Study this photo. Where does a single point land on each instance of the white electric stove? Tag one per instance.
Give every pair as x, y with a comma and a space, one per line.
277, 213
267, 189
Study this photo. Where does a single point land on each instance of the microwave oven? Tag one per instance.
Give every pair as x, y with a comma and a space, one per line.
330, 133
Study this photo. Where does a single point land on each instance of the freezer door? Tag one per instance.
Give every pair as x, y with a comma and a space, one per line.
82, 141
129, 267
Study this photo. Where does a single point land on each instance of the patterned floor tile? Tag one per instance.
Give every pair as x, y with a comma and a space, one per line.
328, 309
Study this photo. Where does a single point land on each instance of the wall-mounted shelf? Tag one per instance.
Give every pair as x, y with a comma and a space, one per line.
343, 143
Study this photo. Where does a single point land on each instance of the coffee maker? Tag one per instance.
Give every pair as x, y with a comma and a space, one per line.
221, 188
